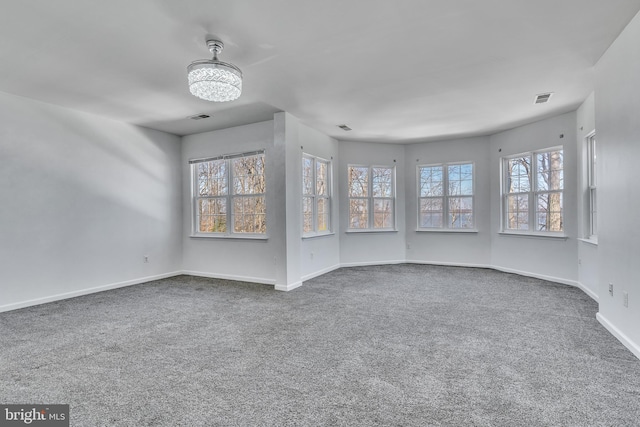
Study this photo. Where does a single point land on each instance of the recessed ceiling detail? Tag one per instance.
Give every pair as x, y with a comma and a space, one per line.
452, 69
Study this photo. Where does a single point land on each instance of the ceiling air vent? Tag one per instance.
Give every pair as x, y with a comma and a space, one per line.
344, 127
543, 98
199, 117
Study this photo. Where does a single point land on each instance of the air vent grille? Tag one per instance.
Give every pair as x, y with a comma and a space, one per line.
542, 98
344, 127
199, 117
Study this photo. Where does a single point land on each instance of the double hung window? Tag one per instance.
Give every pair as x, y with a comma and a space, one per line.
591, 168
533, 186
229, 195
316, 195
371, 192
445, 196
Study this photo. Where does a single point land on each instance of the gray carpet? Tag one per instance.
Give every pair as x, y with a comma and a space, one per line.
399, 345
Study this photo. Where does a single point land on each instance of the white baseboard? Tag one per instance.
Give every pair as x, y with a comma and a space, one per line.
536, 276
289, 287
320, 272
230, 277
625, 340
589, 292
447, 264
81, 292
368, 263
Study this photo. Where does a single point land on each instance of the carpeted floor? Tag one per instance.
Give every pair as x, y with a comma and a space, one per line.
398, 345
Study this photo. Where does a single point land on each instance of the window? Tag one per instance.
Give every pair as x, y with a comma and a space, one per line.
591, 170
229, 195
445, 196
532, 191
316, 195
371, 197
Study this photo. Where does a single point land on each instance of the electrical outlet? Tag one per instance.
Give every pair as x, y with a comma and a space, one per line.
625, 299
311, 254
408, 245
611, 289
146, 259
579, 261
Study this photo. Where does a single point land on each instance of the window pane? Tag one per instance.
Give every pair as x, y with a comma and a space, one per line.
431, 213
382, 213
549, 171
519, 175
431, 181
322, 178
358, 181
212, 178
594, 212
249, 214
323, 214
212, 215
358, 213
460, 180
307, 214
382, 181
307, 176
592, 160
460, 212
518, 212
248, 175
549, 212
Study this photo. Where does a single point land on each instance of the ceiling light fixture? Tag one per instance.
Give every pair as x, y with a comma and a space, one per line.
214, 80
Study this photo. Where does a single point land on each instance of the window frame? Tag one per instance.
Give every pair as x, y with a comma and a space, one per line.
314, 196
371, 200
592, 181
532, 194
446, 196
230, 197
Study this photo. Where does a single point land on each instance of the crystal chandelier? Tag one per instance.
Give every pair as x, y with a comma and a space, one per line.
214, 80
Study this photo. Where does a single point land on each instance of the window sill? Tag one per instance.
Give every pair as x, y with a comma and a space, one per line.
369, 230
313, 236
592, 241
446, 230
556, 236
230, 237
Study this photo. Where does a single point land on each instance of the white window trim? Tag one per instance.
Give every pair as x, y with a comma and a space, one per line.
229, 234
329, 230
370, 199
445, 198
531, 194
592, 231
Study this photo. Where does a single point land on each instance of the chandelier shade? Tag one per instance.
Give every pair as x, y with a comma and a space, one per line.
214, 80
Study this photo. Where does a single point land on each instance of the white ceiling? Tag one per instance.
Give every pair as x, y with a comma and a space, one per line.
394, 71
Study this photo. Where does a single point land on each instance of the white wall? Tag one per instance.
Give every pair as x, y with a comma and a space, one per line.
239, 259
587, 249
450, 248
545, 257
617, 113
374, 247
322, 253
84, 199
